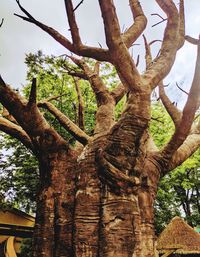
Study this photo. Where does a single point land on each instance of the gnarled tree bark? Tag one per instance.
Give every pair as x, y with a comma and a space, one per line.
97, 200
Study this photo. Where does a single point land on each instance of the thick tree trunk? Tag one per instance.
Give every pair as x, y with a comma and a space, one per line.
99, 203
81, 214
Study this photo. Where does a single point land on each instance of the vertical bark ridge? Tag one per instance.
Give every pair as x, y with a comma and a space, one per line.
87, 209
44, 225
55, 206
64, 209
125, 136
119, 224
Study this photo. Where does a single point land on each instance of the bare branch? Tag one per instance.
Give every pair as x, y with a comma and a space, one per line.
74, 72
148, 56
118, 92
173, 111
137, 61
157, 14
159, 22
66, 123
33, 94
72, 23
87, 51
191, 144
154, 41
11, 100
139, 25
8, 116
163, 63
162, 19
17, 132
51, 98
181, 24
192, 40
1, 22
119, 53
157, 119
30, 119
78, 5
189, 110
80, 105
77, 74
99, 89
112, 29
181, 89
97, 68
52, 32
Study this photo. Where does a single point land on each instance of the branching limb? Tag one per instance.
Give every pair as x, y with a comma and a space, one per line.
17, 132
101, 92
80, 105
172, 110
72, 23
181, 24
161, 21
105, 101
148, 56
79, 49
118, 51
51, 98
28, 116
163, 63
77, 74
33, 93
192, 40
113, 175
6, 114
66, 123
112, 29
11, 100
118, 92
1, 22
181, 89
78, 5
97, 68
139, 25
74, 72
137, 60
191, 144
188, 115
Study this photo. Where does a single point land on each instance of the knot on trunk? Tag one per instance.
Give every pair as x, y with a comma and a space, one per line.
114, 177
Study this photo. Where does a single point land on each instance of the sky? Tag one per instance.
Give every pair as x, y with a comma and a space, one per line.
18, 37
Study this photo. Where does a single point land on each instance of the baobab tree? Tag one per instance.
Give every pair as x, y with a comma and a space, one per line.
96, 197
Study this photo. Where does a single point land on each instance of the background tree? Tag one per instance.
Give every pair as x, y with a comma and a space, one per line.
97, 199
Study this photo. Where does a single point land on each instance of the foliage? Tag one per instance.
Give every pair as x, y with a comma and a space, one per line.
26, 248
19, 176
178, 192
161, 125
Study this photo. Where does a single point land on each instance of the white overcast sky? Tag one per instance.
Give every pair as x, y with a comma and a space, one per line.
18, 37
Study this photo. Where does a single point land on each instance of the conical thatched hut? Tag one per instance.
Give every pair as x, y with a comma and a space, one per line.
178, 239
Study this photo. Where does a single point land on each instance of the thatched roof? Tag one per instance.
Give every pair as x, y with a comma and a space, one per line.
178, 235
